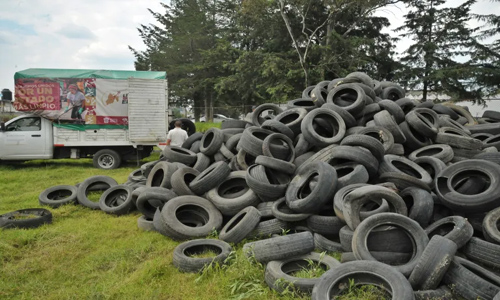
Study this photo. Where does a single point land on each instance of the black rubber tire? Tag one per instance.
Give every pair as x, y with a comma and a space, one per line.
282, 212
441, 109
433, 263
266, 228
252, 139
117, 200
432, 165
316, 133
406, 104
152, 198
398, 164
305, 103
403, 180
354, 92
335, 281
483, 252
181, 213
210, 178
465, 281
476, 203
326, 225
179, 154
457, 141
389, 258
357, 198
211, 141
454, 228
195, 147
381, 134
58, 195
412, 228
159, 223
147, 167
36, 218
276, 164
344, 154
461, 111
420, 205
350, 173
439, 151
181, 179
302, 197
349, 120
280, 247
233, 123
230, 201
489, 156
292, 118
91, 184
187, 125
136, 176
447, 122
161, 175
268, 184
183, 261
420, 123
145, 224
107, 159
489, 226
442, 293
414, 140
360, 77
323, 243
338, 202
393, 93
240, 225
191, 139
278, 127
388, 239
386, 120
301, 145
267, 146
278, 278
368, 142
394, 109
202, 162
257, 120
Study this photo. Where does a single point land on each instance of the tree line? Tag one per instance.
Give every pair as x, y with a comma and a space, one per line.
240, 53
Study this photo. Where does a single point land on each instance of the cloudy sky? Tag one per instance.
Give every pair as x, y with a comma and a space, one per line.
95, 33
70, 34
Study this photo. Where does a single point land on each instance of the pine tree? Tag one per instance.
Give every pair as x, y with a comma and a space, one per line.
443, 56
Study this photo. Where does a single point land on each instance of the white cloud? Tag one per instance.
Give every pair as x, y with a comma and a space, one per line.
70, 34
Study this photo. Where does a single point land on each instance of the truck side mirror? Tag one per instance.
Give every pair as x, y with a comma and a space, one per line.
2, 126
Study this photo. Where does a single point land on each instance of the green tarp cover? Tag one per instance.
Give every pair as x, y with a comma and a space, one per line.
80, 73
83, 127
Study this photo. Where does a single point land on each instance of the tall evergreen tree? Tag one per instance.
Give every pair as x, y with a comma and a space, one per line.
443, 56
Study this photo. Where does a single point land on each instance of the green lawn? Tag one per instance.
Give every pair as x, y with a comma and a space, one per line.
88, 254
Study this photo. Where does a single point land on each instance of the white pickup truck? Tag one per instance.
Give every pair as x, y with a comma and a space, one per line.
37, 136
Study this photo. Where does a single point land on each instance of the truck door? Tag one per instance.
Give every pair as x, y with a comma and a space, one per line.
23, 138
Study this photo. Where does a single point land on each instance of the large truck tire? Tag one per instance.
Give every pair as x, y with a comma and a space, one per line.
107, 159
187, 125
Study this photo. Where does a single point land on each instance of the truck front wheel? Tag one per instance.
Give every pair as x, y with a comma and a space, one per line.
107, 159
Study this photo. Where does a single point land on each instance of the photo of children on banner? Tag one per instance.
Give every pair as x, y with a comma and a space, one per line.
75, 100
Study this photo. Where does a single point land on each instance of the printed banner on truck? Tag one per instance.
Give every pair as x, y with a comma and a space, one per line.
83, 101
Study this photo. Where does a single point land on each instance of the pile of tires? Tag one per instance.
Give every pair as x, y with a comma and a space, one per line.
408, 192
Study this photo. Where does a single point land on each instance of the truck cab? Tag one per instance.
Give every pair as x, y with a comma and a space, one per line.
26, 137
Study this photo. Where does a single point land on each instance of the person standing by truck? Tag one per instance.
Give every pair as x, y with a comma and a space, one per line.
177, 136
75, 99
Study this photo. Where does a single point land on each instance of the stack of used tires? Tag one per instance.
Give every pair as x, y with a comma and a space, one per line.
408, 192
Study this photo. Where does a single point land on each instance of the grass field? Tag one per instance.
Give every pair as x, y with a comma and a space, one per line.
86, 254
